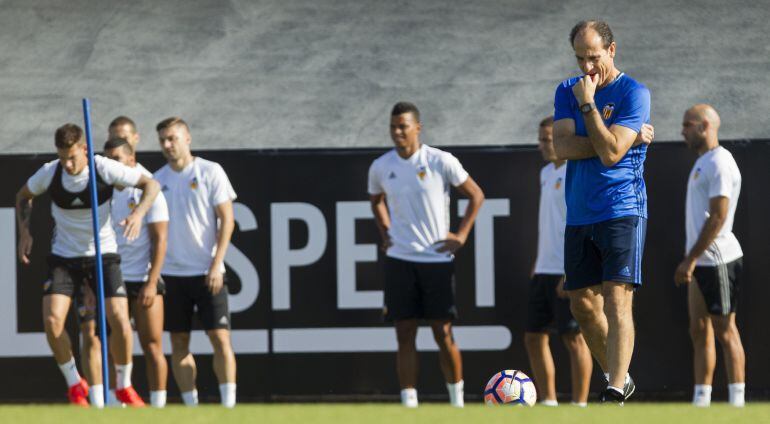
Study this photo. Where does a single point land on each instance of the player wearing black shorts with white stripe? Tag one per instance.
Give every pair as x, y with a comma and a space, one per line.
141, 261
548, 303
72, 262
199, 195
714, 259
409, 191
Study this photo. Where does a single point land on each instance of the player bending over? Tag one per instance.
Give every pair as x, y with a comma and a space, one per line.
72, 260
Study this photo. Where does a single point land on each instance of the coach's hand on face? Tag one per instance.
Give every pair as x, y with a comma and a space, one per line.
133, 225
25, 247
214, 279
585, 89
645, 136
683, 274
452, 243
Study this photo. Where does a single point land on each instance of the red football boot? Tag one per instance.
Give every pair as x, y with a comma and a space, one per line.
78, 393
129, 397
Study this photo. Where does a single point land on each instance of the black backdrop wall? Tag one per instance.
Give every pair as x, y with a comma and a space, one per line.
304, 279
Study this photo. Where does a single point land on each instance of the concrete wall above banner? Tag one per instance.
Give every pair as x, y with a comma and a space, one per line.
325, 73
305, 280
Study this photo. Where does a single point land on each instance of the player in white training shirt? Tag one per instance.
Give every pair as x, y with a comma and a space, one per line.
548, 303
124, 127
72, 252
198, 194
141, 262
713, 257
409, 192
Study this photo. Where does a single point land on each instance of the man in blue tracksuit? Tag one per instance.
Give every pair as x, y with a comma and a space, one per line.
602, 128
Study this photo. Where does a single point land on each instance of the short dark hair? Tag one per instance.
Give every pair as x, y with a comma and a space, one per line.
401, 108
68, 135
115, 142
547, 121
602, 28
170, 122
123, 120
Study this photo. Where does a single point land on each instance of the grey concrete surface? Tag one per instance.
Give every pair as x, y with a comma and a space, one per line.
324, 73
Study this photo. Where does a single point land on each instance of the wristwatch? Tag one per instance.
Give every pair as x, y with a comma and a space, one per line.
588, 107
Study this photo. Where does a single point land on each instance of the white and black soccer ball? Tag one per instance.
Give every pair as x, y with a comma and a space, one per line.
510, 387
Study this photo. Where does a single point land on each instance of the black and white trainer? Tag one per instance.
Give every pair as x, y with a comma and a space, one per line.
612, 395
629, 387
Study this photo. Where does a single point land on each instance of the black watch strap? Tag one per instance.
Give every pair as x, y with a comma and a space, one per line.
587, 107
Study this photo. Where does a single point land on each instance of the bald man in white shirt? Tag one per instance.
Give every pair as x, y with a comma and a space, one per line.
713, 260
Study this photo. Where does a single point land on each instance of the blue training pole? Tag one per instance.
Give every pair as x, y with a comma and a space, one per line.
100, 315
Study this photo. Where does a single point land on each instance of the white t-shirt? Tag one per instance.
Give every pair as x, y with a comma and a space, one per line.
417, 194
73, 234
135, 255
552, 219
714, 174
192, 195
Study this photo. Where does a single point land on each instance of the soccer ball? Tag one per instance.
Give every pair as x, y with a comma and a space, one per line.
510, 387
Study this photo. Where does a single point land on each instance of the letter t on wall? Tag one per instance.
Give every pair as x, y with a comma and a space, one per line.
484, 238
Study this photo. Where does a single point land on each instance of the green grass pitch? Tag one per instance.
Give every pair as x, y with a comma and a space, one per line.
647, 413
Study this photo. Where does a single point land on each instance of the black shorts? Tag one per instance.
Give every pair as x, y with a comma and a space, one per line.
720, 285
87, 313
133, 287
416, 290
186, 294
605, 251
66, 275
545, 308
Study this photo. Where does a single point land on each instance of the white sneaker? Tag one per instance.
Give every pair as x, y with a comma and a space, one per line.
409, 398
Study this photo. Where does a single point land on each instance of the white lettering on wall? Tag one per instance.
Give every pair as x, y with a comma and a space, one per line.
485, 246
349, 253
241, 264
283, 257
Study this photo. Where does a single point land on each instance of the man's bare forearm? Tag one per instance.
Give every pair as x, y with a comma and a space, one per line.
150, 191
470, 217
158, 236
23, 212
573, 147
707, 235
381, 216
476, 197
224, 235
608, 145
